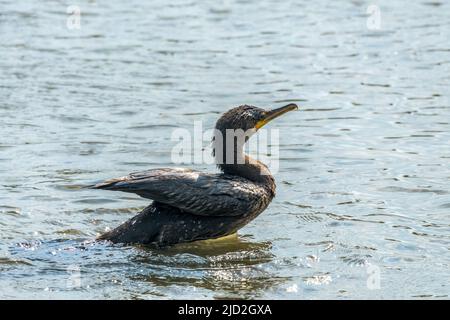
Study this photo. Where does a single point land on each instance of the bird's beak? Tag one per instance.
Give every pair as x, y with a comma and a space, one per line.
275, 113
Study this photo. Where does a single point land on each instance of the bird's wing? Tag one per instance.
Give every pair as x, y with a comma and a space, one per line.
192, 191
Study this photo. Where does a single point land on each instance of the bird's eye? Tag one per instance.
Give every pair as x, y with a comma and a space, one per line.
261, 115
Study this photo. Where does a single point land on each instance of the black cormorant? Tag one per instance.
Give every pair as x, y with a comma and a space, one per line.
189, 205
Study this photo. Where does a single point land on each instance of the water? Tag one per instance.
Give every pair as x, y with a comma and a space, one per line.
362, 209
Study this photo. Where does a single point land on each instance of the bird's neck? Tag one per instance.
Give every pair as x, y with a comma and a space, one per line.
248, 168
231, 159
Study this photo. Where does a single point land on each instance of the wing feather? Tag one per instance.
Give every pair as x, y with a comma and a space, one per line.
192, 191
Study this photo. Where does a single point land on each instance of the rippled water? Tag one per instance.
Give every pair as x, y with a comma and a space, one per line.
363, 186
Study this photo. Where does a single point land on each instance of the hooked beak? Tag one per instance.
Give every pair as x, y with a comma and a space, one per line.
275, 113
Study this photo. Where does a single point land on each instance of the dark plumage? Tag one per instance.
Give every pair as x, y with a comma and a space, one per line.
190, 205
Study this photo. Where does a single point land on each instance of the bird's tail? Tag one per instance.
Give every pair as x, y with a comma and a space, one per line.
110, 184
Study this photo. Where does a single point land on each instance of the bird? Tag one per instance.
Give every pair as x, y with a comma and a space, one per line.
190, 205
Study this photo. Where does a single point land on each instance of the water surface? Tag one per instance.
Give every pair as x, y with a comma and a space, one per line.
364, 174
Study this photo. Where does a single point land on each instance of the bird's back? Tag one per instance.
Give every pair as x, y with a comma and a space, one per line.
196, 192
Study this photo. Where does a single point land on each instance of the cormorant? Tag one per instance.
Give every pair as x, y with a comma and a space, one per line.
190, 205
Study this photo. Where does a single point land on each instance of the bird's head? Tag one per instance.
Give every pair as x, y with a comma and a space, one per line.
250, 118
235, 127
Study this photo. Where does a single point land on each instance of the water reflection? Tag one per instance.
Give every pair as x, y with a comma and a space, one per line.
230, 266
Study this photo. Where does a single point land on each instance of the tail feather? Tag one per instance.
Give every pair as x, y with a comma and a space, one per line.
110, 184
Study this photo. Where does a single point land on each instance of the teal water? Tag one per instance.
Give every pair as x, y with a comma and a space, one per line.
363, 185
